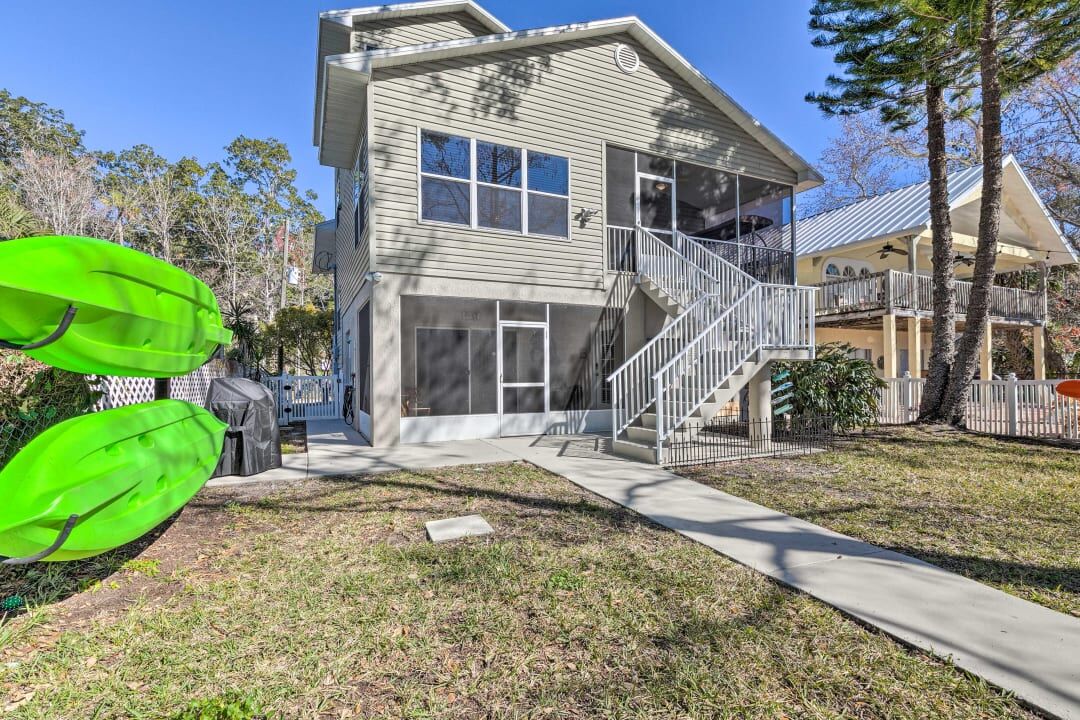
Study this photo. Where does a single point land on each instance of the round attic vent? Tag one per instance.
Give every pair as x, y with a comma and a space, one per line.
626, 58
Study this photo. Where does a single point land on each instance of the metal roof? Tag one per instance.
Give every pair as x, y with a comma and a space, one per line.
905, 211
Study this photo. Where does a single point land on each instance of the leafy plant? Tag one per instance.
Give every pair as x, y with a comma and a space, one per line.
837, 385
230, 706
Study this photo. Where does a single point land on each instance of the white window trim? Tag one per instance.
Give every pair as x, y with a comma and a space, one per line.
474, 183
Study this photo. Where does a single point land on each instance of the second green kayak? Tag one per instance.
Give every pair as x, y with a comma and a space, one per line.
98, 308
95, 482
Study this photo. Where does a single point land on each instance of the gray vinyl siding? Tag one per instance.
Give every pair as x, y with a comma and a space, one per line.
416, 30
568, 99
353, 260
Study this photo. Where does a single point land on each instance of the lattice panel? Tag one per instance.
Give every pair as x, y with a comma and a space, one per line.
122, 391
194, 387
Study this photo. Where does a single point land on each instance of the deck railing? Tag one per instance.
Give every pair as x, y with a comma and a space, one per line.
765, 264
894, 290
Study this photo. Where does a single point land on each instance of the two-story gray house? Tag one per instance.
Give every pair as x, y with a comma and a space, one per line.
554, 230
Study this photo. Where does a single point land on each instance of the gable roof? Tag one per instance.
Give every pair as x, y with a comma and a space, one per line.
906, 211
346, 72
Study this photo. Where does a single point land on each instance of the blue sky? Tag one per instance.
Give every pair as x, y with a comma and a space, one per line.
187, 77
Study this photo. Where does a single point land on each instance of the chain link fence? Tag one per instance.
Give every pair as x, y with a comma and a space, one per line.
34, 396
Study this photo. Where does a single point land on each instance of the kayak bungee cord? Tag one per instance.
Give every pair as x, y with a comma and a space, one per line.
52, 337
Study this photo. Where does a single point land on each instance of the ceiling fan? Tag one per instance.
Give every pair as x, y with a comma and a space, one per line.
965, 259
887, 249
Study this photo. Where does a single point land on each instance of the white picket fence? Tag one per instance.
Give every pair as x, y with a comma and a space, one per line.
122, 391
1017, 408
306, 397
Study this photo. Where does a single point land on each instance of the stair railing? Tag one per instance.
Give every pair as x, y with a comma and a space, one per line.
684, 270
678, 276
733, 281
631, 383
763, 317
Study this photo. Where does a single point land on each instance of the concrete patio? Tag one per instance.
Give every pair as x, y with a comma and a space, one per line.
1021, 647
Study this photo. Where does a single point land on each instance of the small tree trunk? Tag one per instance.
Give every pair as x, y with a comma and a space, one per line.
943, 345
967, 354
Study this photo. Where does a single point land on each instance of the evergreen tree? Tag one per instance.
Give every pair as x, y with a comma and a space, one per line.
1017, 41
899, 60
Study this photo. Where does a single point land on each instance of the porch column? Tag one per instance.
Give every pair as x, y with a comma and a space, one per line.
986, 361
1038, 346
888, 327
386, 363
914, 346
760, 392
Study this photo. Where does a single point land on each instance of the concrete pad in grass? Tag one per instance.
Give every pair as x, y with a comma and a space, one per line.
440, 531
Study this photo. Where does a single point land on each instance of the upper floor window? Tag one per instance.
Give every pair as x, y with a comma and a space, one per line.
485, 185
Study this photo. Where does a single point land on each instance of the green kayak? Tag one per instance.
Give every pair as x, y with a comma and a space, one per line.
99, 308
98, 481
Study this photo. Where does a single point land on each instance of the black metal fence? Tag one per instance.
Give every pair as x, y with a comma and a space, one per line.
727, 439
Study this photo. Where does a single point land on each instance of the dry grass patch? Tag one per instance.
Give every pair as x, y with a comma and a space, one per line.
326, 601
1003, 512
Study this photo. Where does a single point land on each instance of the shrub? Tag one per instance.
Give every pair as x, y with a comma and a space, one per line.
837, 385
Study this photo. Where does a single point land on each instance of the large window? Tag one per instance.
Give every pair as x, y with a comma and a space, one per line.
485, 185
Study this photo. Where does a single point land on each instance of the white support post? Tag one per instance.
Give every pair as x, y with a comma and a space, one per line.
761, 408
888, 327
659, 421
1012, 404
1038, 347
986, 360
914, 344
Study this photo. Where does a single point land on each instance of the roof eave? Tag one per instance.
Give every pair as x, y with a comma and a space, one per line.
428, 7
347, 75
807, 176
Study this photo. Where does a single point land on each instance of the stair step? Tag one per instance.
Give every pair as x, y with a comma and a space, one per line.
643, 435
635, 451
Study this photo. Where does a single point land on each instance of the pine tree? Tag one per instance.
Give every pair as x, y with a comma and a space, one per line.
899, 60
1017, 42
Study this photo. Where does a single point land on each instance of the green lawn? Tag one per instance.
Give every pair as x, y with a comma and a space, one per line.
1006, 513
326, 601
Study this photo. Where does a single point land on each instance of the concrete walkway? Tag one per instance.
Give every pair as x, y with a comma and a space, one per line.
1022, 647
334, 448
1019, 646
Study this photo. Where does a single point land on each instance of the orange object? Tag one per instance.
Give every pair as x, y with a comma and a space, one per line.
1069, 388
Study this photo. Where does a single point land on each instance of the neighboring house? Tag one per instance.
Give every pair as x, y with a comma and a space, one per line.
513, 212
864, 256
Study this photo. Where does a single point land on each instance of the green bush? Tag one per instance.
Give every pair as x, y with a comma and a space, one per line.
836, 384
34, 397
230, 706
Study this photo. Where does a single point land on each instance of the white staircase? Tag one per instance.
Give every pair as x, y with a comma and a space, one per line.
726, 327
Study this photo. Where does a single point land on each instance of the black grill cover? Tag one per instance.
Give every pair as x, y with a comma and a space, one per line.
252, 442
